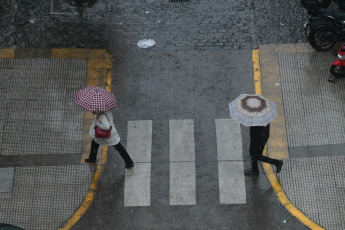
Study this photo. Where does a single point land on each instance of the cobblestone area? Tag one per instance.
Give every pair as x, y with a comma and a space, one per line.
198, 23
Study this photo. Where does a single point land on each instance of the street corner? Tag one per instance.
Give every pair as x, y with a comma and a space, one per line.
44, 96
306, 135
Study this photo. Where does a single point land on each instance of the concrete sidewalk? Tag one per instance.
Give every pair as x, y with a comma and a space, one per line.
42, 133
309, 131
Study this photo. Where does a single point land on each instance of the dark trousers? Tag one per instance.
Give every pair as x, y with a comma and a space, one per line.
125, 156
256, 150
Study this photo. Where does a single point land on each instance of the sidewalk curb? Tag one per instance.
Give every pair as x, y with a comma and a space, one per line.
98, 74
271, 176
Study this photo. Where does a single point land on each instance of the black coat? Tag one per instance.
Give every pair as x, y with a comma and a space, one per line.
258, 138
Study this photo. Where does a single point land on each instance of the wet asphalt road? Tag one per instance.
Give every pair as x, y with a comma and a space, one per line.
201, 61
187, 84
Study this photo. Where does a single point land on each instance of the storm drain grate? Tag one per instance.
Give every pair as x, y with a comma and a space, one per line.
179, 0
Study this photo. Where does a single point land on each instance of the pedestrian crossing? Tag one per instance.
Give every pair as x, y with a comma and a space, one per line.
182, 163
182, 184
138, 179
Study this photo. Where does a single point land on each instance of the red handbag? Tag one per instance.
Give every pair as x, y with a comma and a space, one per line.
100, 133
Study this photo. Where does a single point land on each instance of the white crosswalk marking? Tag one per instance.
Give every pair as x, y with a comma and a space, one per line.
182, 183
182, 186
139, 140
229, 141
230, 162
137, 185
138, 179
182, 162
181, 137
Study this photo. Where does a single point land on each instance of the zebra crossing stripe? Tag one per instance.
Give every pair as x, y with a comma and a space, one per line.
230, 162
137, 185
139, 140
229, 141
181, 137
182, 163
138, 179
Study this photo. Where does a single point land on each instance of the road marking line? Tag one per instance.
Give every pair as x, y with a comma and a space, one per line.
137, 185
138, 179
181, 137
182, 183
232, 189
229, 140
272, 177
230, 162
7, 53
139, 139
182, 188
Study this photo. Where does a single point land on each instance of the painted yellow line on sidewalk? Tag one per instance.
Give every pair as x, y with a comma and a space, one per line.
98, 74
6, 53
272, 177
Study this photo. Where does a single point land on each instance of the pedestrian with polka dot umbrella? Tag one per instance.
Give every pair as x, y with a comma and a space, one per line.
256, 112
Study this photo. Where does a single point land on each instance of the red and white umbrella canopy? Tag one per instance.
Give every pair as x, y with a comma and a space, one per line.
95, 99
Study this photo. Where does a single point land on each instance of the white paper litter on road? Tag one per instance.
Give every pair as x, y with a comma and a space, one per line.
145, 43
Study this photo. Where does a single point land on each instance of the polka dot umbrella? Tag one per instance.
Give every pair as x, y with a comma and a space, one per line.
252, 110
95, 99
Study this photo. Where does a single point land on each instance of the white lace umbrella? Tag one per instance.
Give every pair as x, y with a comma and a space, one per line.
252, 110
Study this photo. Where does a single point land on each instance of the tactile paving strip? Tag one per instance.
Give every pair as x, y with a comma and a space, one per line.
51, 195
316, 186
313, 111
41, 115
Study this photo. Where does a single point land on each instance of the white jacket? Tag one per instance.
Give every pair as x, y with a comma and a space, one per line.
105, 124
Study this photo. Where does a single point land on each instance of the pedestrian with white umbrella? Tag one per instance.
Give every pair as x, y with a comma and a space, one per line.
99, 101
256, 112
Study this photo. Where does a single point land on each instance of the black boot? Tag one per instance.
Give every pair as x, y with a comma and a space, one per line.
93, 153
255, 168
129, 166
251, 172
91, 160
279, 166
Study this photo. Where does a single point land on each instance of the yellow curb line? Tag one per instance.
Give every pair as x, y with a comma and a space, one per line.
271, 176
94, 184
90, 195
7, 53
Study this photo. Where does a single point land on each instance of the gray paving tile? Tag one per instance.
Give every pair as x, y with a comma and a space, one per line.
313, 186
51, 192
41, 90
307, 100
6, 185
6, 173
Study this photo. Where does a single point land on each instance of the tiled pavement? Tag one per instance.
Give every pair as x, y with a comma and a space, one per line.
312, 131
42, 134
